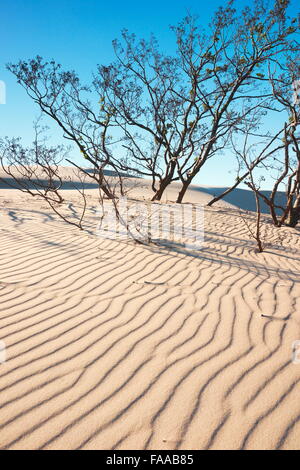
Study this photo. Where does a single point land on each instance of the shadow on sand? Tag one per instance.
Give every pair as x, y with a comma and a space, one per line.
243, 198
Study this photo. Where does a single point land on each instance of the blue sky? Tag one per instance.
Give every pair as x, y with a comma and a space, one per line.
78, 34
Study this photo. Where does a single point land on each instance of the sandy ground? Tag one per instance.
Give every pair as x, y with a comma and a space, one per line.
114, 345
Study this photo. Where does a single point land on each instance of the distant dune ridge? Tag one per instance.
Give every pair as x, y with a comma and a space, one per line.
114, 345
242, 198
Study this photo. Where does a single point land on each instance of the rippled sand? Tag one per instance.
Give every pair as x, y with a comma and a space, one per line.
112, 345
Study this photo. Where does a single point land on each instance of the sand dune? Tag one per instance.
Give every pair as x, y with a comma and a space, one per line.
113, 345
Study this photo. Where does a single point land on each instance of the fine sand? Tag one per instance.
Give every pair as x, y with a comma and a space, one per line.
116, 345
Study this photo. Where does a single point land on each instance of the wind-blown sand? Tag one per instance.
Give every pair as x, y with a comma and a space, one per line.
114, 345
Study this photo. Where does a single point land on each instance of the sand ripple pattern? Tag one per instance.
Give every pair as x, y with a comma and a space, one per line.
117, 346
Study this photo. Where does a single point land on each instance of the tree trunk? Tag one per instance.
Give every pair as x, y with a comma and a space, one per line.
165, 182
294, 214
158, 195
258, 222
182, 192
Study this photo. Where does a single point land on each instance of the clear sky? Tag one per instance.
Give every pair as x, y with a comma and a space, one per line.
78, 34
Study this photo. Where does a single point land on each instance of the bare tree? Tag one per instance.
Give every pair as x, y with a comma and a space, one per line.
282, 71
263, 154
278, 159
35, 170
282, 88
288, 175
165, 116
60, 96
176, 112
284, 166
